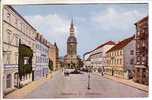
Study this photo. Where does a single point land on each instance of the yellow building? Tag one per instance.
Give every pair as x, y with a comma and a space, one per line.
121, 59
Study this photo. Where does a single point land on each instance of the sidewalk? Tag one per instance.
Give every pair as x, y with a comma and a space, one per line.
20, 93
128, 82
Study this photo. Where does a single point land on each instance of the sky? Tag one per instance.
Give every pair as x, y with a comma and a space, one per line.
95, 24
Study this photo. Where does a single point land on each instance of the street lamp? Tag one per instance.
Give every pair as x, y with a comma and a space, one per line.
89, 78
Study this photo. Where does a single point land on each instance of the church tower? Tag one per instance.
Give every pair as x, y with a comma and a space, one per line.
72, 41
71, 59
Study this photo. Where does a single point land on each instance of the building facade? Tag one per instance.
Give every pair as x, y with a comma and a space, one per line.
42, 59
15, 28
141, 68
98, 56
121, 59
71, 59
54, 55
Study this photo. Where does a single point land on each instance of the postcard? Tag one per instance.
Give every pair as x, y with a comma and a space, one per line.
75, 50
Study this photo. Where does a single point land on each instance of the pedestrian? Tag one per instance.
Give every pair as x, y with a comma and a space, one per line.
102, 72
46, 75
112, 72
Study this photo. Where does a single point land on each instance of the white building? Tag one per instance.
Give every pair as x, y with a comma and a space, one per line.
15, 27
98, 56
42, 59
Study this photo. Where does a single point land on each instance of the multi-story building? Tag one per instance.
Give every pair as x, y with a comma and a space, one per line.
42, 59
121, 58
54, 55
141, 68
15, 28
98, 56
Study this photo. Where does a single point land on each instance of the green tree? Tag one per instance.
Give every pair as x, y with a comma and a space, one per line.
23, 69
50, 65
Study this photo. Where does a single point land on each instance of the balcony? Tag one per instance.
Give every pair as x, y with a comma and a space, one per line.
6, 66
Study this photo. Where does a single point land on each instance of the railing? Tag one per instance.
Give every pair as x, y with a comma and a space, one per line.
10, 65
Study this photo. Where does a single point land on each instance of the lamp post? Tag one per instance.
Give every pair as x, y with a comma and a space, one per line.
89, 78
88, 68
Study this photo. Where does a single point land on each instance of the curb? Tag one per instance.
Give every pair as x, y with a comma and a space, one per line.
127, 84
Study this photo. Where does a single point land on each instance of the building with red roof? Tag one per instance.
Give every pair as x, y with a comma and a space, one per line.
121, 58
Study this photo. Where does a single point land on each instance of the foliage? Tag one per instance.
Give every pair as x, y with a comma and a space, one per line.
24, 51
50, 65
80, 62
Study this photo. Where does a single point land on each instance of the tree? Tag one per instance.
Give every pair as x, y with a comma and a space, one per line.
24, 68
50, 65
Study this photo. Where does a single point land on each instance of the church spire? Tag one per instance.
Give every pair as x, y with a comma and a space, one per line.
72, 28
72, 23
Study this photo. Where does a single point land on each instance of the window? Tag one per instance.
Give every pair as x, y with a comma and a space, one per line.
132, 61
144, 73
8, 58
131, 52
120, 61
17, 40
117, 61
21, 26
8, 16
26, 60
120, 52
16, 22
9, 36
143, 44
4, 57
16, 57
143, 60
138, 69
138, 46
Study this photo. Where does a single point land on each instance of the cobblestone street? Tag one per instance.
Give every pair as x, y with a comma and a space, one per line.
75, 85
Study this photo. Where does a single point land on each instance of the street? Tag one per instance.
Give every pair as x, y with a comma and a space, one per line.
75, 85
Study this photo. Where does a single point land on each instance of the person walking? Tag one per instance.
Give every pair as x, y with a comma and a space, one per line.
102, 72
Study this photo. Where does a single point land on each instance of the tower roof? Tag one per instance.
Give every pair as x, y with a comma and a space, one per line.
71, 26
72, 39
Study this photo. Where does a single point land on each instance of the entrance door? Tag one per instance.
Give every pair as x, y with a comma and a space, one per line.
15, 79
8, 81
32, 75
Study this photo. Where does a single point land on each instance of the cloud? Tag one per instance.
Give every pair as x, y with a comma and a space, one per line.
116, 21
52, 23
53, 27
